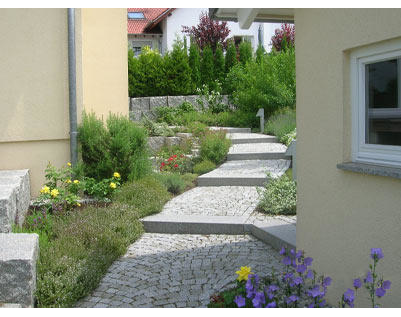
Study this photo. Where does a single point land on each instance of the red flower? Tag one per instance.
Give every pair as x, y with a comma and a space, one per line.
176, 165
175, 156
163, 163
170, 159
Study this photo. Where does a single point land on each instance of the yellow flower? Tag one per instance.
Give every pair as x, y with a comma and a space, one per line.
45, 190
116, 175
78, 204
68, 181
113, 185
69, 164
54, 193
243, 273
76, 181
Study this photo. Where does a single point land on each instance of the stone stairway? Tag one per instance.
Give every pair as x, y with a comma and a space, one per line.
226, 198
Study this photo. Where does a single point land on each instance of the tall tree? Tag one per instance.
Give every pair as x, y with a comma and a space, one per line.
231, 56
207, 65
284, 37
208, 32
195, 65
259, 54
219, 71
245, 52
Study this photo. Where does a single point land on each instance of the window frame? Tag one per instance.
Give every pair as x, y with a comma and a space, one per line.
136, 18
389, 155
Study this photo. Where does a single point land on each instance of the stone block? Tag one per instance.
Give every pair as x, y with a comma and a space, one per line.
18, 179
8, 207
174, 101
145, 104
156, 143
155, 102
18, 255
173, 140
184, 135
192, 99
135, 104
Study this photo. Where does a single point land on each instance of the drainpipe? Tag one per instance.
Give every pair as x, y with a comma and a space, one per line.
72, 88
260, 34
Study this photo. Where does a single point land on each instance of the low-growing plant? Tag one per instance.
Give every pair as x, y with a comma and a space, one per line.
289, 137
104, 189
176, 164
173, 182
281, 123
214, 146
204, 167
156, 129
279, 196
211, 99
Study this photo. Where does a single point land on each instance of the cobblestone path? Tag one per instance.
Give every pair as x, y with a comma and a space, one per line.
184, 270
179, 270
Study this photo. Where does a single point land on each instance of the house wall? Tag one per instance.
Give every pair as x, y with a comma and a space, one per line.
141, 39
190, 17
341, 215
34, 81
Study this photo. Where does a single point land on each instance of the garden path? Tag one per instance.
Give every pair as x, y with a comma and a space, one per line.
194, 246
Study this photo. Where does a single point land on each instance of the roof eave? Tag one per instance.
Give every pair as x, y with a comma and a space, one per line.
274, 15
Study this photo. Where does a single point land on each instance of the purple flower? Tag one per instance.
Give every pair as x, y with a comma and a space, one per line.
386, 285
322, 303
369, 278
299, 254
380, 292
298, 280
376, 253
282, 251
326, 281
308, 261
301, 268
239, 300
314, 292
294, 263
349, 297
291, 299
273, 288
310, 274
288, 276
292, 252
287, 260
259, 300
311, 305
271, 305
357, 283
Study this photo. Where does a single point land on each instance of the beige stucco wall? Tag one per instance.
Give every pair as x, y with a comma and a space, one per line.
34, 129
104, 61
341, 215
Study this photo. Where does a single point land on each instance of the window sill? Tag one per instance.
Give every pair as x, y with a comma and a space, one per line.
370, 169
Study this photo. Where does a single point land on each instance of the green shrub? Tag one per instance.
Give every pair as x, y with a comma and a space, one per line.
231, 56
194, 65
269, 84
204, 167
173, 182
260, 52
197, 129
156, 129
121, 147
289, 137
219, 69
279, 196
214, 147
281, 123
189, 180
207, 68
245, 52
148, 195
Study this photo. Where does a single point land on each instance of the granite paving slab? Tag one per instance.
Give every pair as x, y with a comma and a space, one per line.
179, 270
240, 138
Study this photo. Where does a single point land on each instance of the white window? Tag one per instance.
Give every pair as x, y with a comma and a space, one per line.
136, 15
376, 104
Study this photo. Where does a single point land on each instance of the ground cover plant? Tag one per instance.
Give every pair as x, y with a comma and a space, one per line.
204, 167
279, 196
77, 245
297, 286
214, 147
282, 124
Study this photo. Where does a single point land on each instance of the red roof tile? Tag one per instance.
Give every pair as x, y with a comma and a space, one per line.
135, 26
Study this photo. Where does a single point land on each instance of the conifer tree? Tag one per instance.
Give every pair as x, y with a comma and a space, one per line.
194, 65
231, 56
245, 52
207, 65
219, 71
259, 54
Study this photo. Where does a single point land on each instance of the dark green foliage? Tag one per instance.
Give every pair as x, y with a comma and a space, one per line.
173, 182
207, 67
260, 51
194, 65
133, 75
177, 71
219, 69
245, 52
122, 147
231, 56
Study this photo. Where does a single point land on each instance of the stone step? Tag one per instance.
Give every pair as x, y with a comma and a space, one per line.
231, 130
257, 151
275, 232
14, 198
241, 138
244, 173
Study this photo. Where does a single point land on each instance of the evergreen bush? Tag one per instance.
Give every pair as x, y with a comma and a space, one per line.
207, 67
245, 52
194, 65
219, 69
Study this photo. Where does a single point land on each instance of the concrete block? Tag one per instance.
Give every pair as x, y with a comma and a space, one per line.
192, 99
173, 140
18, 256
145, 104
135, 104
155, 143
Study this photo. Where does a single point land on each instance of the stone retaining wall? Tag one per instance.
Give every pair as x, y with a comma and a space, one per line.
146, 105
